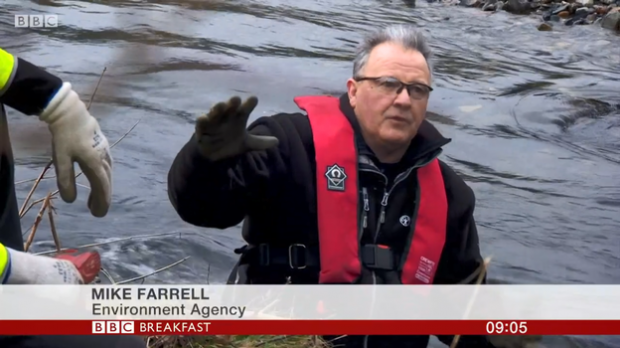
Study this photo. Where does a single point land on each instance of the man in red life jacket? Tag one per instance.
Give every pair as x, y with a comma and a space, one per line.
350, 192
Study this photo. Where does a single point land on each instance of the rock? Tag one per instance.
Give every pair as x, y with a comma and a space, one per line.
614, 10
611, 20
490, 5
560, 9
555, 18
579, 18
607, 2
584, 9
554, 11
518, 7
564, 14
535, 5
470, 3
582, 13
545, 27
601, 10
573, 7
591, 18
587, 3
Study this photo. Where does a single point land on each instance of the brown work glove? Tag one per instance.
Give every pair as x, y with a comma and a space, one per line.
222, 132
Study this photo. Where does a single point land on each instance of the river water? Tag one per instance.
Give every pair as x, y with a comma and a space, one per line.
534, 118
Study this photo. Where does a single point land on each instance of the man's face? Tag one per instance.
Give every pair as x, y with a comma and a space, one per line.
387, 117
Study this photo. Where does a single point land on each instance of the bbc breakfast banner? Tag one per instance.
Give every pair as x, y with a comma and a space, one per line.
311, 309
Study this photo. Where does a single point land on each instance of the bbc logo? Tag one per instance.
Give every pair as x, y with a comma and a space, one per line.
113, 327
36, 21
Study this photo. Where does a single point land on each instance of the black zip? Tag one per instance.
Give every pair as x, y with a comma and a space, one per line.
384, 203
366, 209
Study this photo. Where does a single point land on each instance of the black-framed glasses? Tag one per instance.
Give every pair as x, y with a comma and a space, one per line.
392, 86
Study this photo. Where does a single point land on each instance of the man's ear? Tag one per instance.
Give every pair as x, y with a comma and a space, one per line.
352, 92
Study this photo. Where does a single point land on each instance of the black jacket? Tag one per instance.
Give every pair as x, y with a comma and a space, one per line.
28, 91
275, 192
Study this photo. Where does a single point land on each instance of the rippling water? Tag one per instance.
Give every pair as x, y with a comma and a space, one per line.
535, 118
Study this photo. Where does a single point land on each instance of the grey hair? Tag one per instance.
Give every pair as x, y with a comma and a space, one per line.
408, 36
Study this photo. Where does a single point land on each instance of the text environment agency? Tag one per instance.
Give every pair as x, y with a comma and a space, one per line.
155, 294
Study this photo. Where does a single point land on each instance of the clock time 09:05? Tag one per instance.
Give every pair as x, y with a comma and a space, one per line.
507, 327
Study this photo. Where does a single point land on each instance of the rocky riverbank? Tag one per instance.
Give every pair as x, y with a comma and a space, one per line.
558, 12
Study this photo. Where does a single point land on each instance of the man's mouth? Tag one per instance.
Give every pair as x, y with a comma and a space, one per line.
398, 119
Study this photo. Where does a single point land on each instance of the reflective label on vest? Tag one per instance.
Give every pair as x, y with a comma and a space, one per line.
336, 178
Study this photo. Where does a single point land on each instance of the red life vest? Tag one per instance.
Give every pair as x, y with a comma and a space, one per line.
338, 199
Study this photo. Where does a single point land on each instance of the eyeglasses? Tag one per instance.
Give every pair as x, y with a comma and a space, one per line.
392, 86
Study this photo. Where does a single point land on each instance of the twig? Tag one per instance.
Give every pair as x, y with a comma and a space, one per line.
483, 271
126, 133
271, 340
40, 200
154, 272
30, 180
208, 272
37, 221
108, 275
84, 186
145, 236
92, 97
34, 187
50, 215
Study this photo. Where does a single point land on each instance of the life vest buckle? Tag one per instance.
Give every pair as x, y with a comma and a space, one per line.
379, 257
296, 253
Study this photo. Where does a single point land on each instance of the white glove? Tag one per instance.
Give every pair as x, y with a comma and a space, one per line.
77, 137
26, 268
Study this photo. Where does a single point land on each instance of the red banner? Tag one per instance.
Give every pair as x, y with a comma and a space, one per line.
311, 327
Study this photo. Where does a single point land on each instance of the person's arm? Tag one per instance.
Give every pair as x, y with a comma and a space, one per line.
17, 267
24, 86
76, 134
461, 260
216, 193
5, 265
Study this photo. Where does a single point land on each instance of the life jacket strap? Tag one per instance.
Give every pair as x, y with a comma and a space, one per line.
379, 257
294, 257
299, 257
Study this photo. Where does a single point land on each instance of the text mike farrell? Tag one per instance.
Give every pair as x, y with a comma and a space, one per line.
160, 294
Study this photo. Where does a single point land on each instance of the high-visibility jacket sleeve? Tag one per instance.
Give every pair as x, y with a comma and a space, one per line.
24, 86
5, 264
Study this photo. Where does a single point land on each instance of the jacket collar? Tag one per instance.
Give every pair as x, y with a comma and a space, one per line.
427, 142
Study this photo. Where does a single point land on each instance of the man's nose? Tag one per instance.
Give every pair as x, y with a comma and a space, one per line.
403, 98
